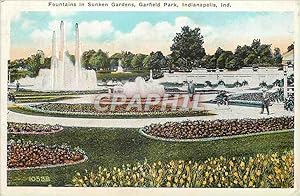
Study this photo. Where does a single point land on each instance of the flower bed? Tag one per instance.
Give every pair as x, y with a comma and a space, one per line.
263, 170
29, 155
27, 128
217, 128
119, 111
42, 99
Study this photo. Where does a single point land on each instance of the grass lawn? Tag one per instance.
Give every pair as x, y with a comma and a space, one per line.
114, 147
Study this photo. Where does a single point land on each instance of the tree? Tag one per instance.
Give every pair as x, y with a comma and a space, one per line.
85, 59
35, 63
221, 61
205, 60
241, 53
99, 60
187, 45
169, 62
250, 59
137, 61
212, 62
146, 61
277, 56
218, 52
231, 63
157, 61
126, 58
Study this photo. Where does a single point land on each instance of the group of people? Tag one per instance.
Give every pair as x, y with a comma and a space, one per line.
223, 97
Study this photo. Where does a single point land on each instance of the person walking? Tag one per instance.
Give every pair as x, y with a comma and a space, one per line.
191, 90
17, 86
265, 102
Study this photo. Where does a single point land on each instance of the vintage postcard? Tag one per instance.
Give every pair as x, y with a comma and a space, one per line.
149, 97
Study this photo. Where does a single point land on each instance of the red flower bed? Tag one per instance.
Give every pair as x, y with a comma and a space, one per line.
217, 128
22, 155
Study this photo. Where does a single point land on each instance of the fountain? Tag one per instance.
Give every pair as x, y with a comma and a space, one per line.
140, 87
120, 68
63, 75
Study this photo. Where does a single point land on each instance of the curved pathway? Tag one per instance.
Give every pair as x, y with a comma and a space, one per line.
223, 112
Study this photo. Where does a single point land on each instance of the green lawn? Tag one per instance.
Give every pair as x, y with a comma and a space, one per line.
114, 147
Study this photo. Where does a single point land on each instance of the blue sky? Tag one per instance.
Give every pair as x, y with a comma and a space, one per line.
147, 31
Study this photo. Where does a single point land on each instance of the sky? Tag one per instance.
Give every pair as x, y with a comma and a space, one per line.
143, 32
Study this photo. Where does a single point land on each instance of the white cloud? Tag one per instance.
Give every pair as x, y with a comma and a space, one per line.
146, 37
42, 37
95, 29
270, 29
27, 23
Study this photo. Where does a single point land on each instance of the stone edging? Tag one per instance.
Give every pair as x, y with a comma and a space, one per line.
210, 139
49, 166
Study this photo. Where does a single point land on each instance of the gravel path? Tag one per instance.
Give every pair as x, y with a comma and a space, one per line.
223, 112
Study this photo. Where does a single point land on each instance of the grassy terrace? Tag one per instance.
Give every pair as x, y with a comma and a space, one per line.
114, 147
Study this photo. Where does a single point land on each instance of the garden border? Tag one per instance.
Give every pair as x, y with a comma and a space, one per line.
211, 138
116, 114
35, 132
49, 166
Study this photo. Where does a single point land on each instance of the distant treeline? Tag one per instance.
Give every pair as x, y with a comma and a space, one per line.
187, 53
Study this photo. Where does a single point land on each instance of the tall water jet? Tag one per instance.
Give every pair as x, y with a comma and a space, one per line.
53, 60
63, 74
62, 51
77, 55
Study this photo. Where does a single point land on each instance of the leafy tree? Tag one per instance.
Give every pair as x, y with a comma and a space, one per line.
157, 61
117, 56
250, 59
146, 62
113, 62
126, 58
277, 56
231, 63
212, 63
170, 62
221, 61
187, 45
137, 61
35, 63
99, 60
218, 52
85, 59
241, 53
